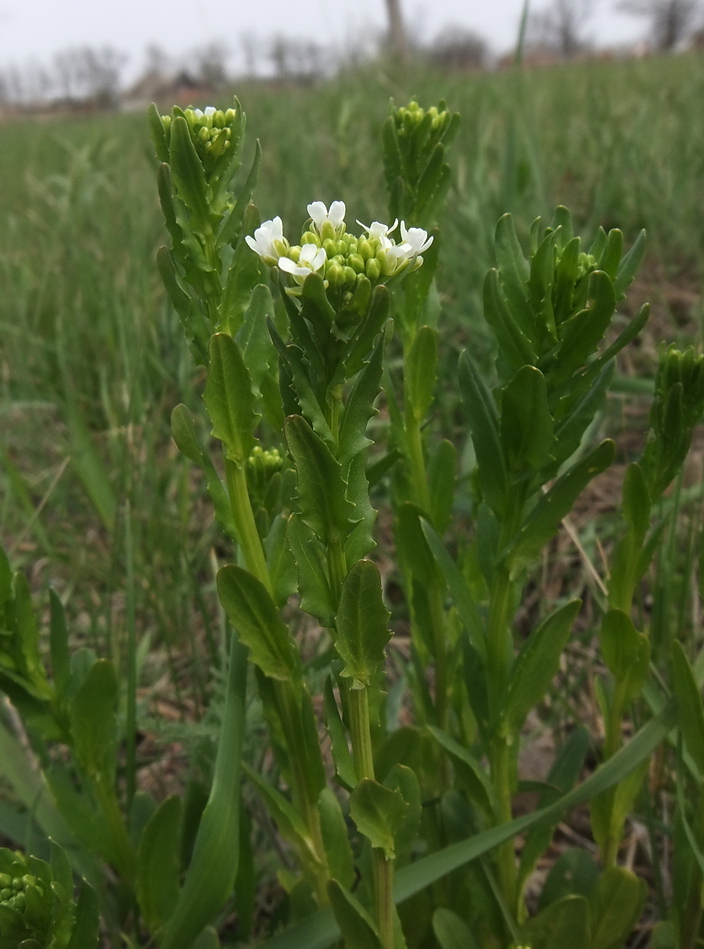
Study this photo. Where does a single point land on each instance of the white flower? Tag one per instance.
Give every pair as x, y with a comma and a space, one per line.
311, 259
209, 110
396, 256
416, 238
268, 241
378, 230
320, 216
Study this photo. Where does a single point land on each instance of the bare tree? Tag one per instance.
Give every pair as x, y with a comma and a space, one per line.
211, 64
671, 21
559, 28
398, 43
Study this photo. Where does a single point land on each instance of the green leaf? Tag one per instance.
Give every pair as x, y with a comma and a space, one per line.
470, 772
360, 407
92, 715
626, 652
583, 332
188, 175
403, 779
628, 266
313, 584
411, 545
360, 540
545, 518
459, 589
574, 873
451, 931
379, 813
690, 709
213, 868
336, 839
286, 817
252, 611
344, 765
441, 484
86, 929
636, 502
514, 344
536, 666
321, 488
253, 336
156, 128
183, 432
514, 271
320, 930
370, 327
483, 418
562, 924
616, 905
158, 863
526, 424
420, 368
229, 398
59, 648
353, 920
245, 271
362, 624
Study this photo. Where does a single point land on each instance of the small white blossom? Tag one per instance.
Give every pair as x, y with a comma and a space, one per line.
320, 215
416, 238
268, 241
311, 259
378, 230
396, 256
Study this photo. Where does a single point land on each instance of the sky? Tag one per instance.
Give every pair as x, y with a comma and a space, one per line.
36, 29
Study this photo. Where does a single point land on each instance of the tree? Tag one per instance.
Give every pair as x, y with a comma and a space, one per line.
458, 48
671, 21
559, 28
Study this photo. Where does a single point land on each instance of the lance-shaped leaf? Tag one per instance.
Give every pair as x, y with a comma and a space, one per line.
213, 868
313, 584
628, 266
362, 624
379, 813
616, 905
245, 271
626, 652
584, 331
360, 407
451, 931
344, 765
360, 540
690, 709
526, 424
441, 484
483, 420
363, 341
321, 487
564, 923
92, 714
188, 174
420, 369
514, 344
158, 863
471, 772
252, 611
253, 336
229, 398
336, 838
536, 665
354, 921
636, 502
287, 818
514, 270
545, 518
404, 780
58, 641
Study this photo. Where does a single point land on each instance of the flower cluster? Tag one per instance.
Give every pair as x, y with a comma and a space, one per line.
211, 130
339, 257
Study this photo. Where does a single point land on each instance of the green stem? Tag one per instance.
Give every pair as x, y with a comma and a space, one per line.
245, 525
501, 773
131, 716
416, 459
436, 604
383, 868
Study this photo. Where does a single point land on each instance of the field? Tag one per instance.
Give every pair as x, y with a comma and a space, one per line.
95, 499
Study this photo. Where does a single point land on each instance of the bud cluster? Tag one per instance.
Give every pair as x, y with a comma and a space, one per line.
26, 899
408, 117
211, 131
348, 264
262, 465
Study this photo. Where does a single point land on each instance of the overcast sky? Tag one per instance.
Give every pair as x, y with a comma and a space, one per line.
38, 28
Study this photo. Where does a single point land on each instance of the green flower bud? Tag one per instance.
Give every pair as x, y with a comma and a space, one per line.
166, 122
219, 119
230, 116
335, 275
373, 269
350, 275
310, 238
294, 253
330, 248
356, 262
366, 249
328, 231
204, 135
